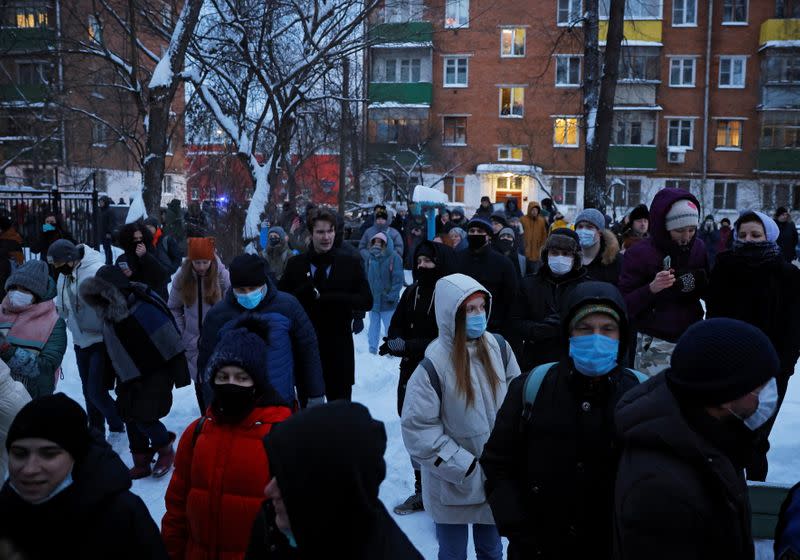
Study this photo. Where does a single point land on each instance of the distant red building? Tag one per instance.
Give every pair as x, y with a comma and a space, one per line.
214, 175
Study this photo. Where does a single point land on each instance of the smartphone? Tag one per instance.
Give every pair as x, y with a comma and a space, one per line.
123, 265
667, 262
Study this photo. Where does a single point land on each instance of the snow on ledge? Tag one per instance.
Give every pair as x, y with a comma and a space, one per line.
405, 45
788, 44
508, 168
427, 194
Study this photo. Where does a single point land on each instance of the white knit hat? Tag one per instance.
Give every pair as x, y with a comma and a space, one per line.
684, 213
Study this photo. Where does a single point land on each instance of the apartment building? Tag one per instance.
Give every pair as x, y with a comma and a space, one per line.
708, 100
50, 89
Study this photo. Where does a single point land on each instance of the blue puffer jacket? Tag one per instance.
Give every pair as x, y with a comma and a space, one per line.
385, 277
292, 355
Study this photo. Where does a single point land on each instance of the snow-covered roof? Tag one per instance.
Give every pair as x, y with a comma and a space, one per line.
788, 44
636, 43
405, 45
508, 168
427, 194
396, 105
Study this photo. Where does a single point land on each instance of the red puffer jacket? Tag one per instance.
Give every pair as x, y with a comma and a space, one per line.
218, 487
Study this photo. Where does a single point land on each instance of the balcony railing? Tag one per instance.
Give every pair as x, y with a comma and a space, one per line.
415, 32
419, 93
775, 31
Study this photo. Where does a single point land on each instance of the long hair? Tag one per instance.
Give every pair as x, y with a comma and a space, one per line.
461, 361
186, 284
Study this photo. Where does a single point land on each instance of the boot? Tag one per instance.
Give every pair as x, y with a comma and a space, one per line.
166, 456
141, 464
413, 503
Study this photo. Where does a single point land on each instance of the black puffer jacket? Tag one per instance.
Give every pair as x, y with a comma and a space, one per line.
96, 517
341, 462
678, 494
146, 269
550, 468
536, 319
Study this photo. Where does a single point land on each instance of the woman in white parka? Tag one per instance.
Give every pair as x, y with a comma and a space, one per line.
446, 427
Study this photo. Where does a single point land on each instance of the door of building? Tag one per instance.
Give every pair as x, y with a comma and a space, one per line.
508, 187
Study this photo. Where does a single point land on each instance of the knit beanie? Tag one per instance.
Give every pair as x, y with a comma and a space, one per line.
56, 418
201, 248
683, 213
771, 229
34, 276
425, 249
640, 213
243, 344
506, 231
720, 360
483, 223
459, 231
248, 271
591, 308
499, 218
563, 239
593, 216
278, 230
62, 251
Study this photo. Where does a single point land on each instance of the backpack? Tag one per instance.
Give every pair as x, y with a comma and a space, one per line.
534, 382
433, 377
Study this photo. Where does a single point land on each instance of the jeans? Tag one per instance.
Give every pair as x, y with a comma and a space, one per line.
100, 407
374, 332
107, 249
143, 436
453, 541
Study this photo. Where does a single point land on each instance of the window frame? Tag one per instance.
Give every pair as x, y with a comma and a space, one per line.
452, 185
735, 22
559, 189
625, 195
684, 24
571, 10
456, 58
618, 119
512, 96
567, 119
732, 60
42, 65
510, 149
99, 140
568, 58
444, 131
670, 120
514, 31
459, 4
728, 134
725, 196
683, 60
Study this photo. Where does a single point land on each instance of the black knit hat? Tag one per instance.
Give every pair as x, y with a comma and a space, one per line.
248, 271
114, 276
56, 418
483, 223
640, 213
720, 360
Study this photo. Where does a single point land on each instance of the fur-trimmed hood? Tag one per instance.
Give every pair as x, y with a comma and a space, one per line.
610, 247
108, 300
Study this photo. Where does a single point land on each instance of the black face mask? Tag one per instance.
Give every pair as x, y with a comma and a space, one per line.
427, 275
505, 245
274, 241
65, 269
475, 242
232, 402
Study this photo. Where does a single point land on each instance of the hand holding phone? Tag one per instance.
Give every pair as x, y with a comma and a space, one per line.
667, 263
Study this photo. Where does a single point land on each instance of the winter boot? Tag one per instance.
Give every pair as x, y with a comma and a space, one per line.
141, 464
414, 502
166, 456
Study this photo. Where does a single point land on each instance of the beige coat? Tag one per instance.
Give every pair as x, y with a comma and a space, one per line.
535, 232
13, 397
446, 432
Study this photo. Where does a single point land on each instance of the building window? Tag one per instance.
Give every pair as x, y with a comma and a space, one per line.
513, 183
634, 128
734, 11
637, 64
95, 30
195, 193
680, 133
787, 9
454, 188
512, 102
628, 194
168, 186
635, 9
782, 69
512, 42
780, 130
456, 71
509, 153
402, 11
564, 190
568, 70
455, 131
569, 11
402, 130
681, 72
684, 13
565, 132
781, 195
724, 195
729, 134
99, 133
27, 17
678, 184
732, 71
32, 73
456, 13
402, 70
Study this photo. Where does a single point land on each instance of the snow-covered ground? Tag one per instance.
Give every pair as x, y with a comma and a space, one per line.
376, 388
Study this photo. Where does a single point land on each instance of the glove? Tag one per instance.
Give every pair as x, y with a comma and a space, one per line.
691, 281
358, 325
383, 349
306, 291
396, 346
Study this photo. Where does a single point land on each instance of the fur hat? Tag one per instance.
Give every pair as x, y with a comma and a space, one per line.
201, 248
34, 276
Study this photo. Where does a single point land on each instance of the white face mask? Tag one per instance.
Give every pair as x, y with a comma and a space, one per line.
767, 404
560, 265
19, 299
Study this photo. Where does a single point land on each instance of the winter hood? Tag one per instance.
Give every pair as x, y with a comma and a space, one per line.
443, 257
662, 202
330, 483
531, 205
588, 293
450, 293
770, 226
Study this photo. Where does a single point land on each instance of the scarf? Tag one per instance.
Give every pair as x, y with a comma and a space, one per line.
757, 252
29, 326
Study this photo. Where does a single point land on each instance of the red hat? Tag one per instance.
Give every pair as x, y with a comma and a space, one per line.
201, 249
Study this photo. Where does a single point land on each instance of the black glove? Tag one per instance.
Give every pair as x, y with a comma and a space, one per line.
306, 291
397, 346
689, 282
358, 325
383, 349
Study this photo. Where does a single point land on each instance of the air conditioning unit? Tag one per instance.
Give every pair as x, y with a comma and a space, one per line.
676, 155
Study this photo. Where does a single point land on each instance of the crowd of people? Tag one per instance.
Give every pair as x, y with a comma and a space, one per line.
582, 389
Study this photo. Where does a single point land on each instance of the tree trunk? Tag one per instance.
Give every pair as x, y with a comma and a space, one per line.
344, 133
599, 92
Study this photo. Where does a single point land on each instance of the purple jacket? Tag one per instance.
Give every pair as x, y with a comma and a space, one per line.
669, 313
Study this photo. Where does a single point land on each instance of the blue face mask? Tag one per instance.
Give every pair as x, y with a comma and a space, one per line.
586, 237
48, 227
594, 355
251, 300
476, 325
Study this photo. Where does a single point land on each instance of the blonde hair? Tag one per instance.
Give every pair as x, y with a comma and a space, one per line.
186, 283
461, 361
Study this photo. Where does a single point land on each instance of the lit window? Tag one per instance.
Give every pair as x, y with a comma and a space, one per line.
455, 131
509, 153
512, 102
780, 130
568, 70
684, 13
456, 71
28, 17
456, 13
729, 134
680, 133
512, 42
565, 132
681, 72
732, 71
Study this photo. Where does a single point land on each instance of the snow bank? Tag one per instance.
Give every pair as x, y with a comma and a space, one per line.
427, 194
